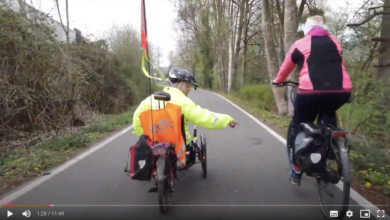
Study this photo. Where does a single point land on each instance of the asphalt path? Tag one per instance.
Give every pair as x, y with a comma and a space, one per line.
247, 178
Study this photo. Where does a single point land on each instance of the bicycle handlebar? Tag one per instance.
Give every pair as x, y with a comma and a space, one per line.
286, 83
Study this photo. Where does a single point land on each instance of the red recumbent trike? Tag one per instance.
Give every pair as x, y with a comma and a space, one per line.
166, 170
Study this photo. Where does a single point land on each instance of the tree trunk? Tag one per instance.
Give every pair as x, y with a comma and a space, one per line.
220, 9
300, 12
230, 35
245, 52
383, 72
290, 36
281, 31
72, 99
271, 57
240, 27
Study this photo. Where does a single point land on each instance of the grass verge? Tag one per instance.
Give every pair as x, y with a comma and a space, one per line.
26, 162
370, 169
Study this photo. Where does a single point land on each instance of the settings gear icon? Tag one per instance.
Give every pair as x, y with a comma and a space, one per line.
349, 213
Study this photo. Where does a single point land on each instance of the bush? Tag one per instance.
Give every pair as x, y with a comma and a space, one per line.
261, 95
369, 124
48, 86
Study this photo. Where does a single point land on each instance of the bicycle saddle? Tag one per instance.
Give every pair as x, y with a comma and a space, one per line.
162, 96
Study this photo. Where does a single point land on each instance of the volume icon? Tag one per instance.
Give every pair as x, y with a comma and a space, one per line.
26, 213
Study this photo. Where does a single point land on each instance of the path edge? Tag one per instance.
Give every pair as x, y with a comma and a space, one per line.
31, 185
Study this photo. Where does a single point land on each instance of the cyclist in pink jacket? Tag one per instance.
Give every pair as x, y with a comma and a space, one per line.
324, 84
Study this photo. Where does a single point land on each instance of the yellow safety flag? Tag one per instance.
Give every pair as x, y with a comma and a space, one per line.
162, 75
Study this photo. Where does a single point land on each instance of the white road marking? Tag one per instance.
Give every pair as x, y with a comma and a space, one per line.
61, 168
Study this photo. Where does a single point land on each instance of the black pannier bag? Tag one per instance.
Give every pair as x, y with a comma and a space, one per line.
311, 152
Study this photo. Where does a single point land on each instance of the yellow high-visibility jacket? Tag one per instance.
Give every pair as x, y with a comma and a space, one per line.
192, 114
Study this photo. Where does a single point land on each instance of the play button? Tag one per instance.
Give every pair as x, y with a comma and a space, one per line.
9, 213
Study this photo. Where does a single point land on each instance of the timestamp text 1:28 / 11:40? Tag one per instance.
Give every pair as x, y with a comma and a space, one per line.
50, 213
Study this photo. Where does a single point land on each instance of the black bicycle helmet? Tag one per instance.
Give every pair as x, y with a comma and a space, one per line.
182, 75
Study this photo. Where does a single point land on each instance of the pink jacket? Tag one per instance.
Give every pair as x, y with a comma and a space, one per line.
319, 59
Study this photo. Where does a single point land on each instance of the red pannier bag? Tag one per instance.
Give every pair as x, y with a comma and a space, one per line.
141, 160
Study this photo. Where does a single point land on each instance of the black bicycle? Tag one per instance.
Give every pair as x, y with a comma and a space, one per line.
337, 154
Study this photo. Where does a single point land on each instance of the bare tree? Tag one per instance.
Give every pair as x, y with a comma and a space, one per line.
72, 100
290, 36
382, 75
272, 63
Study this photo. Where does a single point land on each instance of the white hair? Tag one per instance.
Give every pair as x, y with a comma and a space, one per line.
312, 22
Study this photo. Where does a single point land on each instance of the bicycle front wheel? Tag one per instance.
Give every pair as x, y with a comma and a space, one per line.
203, 150
289, 143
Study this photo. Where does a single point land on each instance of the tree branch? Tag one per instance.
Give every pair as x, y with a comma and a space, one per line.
59, 14
308, 7
383, 6
301, 8
368, 19
380, 39
250, 36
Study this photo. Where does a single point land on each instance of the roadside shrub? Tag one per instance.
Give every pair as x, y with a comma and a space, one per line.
260, 94
47, 86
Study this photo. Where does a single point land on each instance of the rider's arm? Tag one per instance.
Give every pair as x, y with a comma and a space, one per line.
204, 118
288, 65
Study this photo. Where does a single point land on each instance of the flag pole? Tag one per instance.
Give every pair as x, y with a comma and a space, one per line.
144, 42
146, 34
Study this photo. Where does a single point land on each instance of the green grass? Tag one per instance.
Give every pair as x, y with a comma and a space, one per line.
259, 101
23, 163
280, 123
369, 163
260, 95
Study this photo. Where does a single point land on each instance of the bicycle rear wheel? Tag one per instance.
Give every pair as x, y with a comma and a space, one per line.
323, 191
163, 195
163, 185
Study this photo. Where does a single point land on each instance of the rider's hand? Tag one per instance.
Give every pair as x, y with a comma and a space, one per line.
233, 124
274, 82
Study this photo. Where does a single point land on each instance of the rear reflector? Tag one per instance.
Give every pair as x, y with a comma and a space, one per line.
337, 135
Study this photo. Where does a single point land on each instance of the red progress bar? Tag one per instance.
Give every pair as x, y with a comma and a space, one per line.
25, 205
